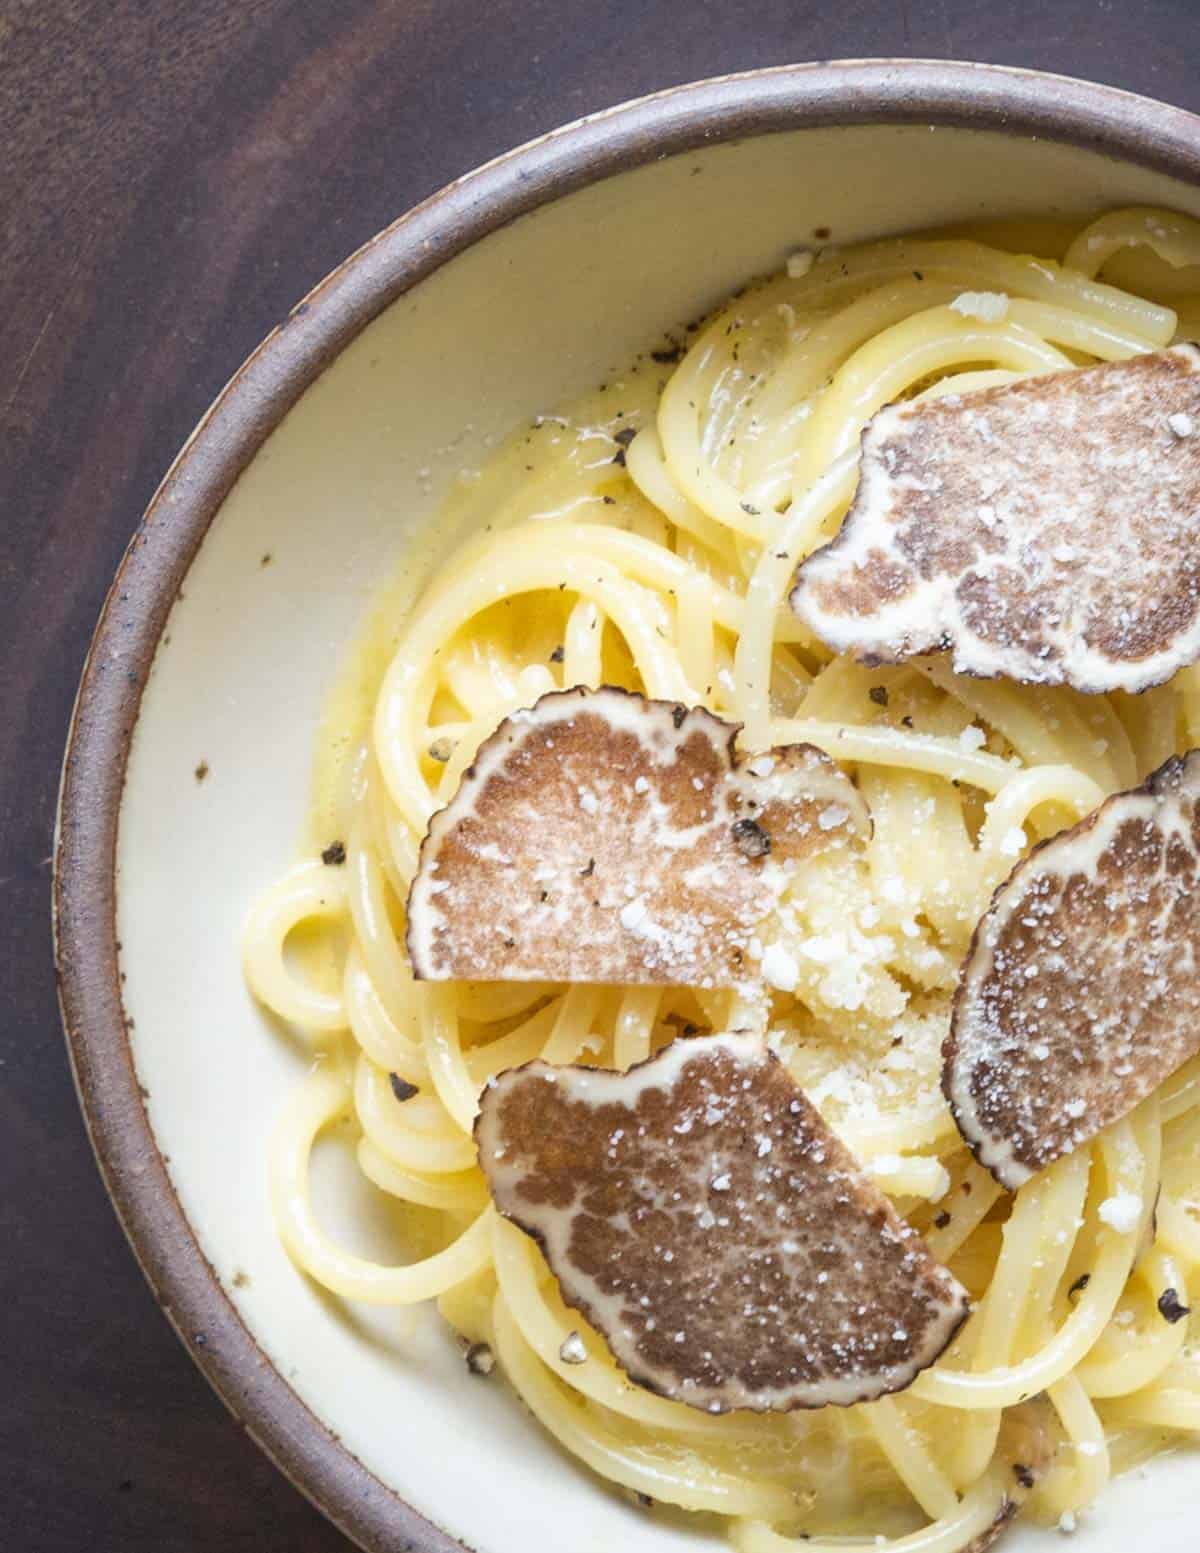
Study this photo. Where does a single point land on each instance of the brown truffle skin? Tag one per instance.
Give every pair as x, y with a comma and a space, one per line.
1046, 531
701, 1215
603, 837
1080, 993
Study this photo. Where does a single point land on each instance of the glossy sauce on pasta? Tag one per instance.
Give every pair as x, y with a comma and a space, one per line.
646, 537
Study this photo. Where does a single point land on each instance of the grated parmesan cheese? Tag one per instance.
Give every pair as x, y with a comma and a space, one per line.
989, 307
1122, 1212
573, 1350
779, 968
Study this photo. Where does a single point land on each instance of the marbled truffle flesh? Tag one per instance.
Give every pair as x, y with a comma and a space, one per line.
702, 1216
603, 837
1047, 531
1081, 991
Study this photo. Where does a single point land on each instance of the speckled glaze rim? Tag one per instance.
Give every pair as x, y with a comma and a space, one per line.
1023, 103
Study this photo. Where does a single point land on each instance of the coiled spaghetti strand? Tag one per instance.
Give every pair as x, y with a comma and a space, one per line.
323, 1099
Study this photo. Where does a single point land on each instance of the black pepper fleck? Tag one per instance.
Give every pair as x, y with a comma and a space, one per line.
1170, 1307
559, 653
401, 1088
480, 1359
334, 854
750, 838
878, 694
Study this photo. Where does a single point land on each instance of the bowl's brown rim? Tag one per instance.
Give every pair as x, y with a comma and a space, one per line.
1023, 103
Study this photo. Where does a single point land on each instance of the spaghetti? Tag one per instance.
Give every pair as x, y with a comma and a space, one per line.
647, 538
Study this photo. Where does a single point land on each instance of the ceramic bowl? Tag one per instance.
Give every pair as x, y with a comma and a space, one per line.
516, 287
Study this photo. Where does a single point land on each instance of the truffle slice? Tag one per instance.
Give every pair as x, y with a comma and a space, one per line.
1081, 990
1047, 531
702, 1216
603, 837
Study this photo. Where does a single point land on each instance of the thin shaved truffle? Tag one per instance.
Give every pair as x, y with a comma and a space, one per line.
702, 1216
602, 837
1047, 531
1081, 991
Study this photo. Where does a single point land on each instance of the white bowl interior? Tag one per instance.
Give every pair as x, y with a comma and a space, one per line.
535, 313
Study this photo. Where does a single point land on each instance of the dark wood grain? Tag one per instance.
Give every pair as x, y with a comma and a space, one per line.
174, 175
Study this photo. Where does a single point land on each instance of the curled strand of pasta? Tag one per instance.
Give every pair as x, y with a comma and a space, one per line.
767, 591
322, 1100
309, 892
632, 608
1010, 1384
1173, 237
679, 1478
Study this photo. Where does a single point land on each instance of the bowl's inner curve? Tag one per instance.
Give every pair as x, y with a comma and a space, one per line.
536, 313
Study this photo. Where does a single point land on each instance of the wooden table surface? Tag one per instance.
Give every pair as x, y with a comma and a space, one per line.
173, 175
